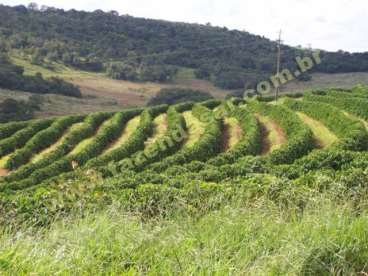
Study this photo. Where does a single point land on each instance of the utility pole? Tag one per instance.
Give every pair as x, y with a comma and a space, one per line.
278, 65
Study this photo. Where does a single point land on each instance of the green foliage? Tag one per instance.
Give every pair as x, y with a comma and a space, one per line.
140, 72
11, 77
163, 147
175, 96
40, 141
7, 130
250, 144
20, 138
142, 49
135, 142
208, 146
12, 110
345, 101
352, 133
299, 135
80, 133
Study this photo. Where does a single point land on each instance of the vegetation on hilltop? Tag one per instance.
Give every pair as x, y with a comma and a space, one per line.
141, 49
12, 77
12, 110
174, 96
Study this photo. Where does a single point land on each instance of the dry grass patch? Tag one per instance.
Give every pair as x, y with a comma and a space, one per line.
195, 129
160, 129
128, 130
42, 154
322, 135
81, 146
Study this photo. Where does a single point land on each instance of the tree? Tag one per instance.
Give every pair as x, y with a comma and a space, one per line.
172, 96
33, 6
114, 13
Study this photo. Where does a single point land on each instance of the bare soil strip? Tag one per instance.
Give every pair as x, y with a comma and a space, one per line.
232, 133
4, 172
273, 137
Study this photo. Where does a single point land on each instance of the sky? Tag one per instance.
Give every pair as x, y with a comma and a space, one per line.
325, 24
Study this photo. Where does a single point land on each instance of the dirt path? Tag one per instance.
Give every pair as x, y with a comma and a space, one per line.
232, 134
273, 137
4, 172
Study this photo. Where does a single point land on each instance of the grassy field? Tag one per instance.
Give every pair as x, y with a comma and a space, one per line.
322, 81
239, 239
246, 215
104, 94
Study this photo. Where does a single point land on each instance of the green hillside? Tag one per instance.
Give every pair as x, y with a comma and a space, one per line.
238, 186
141, 50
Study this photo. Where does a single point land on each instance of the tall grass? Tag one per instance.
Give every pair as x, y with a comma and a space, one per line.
258, 238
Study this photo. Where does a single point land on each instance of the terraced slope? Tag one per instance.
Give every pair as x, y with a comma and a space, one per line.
187, 161
192, 140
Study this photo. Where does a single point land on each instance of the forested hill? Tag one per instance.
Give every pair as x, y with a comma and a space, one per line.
140, 49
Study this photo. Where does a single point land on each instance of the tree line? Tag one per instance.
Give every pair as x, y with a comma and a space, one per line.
12, 77
140, 49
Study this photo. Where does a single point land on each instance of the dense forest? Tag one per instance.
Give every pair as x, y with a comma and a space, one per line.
138, 49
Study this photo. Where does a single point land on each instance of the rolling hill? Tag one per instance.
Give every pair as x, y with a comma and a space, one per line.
143, 50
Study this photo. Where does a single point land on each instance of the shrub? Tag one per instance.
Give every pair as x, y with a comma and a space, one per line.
80, 133
20, 138
40, 141
174, 96
299, 136
7, 130
205, 148
352, 133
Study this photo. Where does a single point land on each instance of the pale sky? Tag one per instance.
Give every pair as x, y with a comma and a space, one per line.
325, 24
